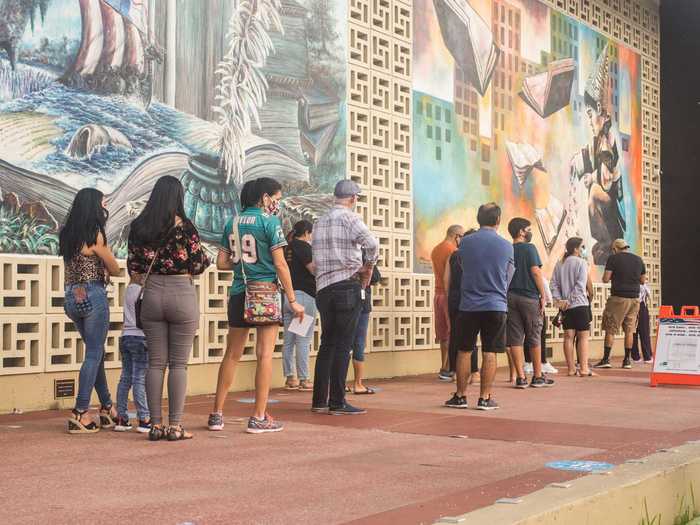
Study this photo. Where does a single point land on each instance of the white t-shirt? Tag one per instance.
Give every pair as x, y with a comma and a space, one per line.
130, 328
547, 292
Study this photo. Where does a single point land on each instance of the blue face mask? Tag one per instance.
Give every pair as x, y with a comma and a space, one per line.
584, 253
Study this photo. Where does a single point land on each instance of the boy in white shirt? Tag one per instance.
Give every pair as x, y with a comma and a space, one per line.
134, 352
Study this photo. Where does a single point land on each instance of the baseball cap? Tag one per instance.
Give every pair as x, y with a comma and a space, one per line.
620, 244
346, 188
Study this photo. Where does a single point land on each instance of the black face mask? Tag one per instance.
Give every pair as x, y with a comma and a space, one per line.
528, 236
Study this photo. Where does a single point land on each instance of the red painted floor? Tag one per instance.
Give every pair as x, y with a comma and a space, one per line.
407, 461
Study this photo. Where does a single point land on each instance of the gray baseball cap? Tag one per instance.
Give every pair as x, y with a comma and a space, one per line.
346, 188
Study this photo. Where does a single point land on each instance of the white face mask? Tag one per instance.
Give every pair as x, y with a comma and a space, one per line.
584, 253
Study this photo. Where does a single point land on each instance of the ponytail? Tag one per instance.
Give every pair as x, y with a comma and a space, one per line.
300, 229
571, 246
253, 191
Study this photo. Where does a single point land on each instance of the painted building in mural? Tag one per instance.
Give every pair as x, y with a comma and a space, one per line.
545, 120
114, 94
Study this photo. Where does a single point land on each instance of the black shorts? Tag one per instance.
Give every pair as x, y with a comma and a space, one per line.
236, 304
578, 318
457, 334
491, 326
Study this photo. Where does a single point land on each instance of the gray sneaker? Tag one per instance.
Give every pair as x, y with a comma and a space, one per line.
487, 404
541, 382
216, 422
262, 426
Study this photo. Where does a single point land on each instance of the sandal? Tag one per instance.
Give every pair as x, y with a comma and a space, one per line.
178, 433
305, 385
367, 391
75, 426
156, 433
106, 417
347, 389
292, 385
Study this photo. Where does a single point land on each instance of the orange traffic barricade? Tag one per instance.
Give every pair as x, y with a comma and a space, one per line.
677, 354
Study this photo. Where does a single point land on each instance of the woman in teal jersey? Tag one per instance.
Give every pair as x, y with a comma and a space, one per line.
261, 251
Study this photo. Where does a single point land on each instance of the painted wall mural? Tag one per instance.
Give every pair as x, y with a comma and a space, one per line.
519, 104
116, 93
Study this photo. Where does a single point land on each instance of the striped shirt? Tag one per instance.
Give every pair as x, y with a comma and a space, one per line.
338, 240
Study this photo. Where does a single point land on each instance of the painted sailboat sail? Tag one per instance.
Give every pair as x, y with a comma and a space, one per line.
135, 11
112, 55
92, 38
113, 37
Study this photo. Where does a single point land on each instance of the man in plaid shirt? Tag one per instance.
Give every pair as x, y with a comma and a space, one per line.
338, 240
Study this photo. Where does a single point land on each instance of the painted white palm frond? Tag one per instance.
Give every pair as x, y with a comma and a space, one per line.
242, 87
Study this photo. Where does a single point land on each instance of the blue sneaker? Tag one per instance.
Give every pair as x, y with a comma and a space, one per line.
347, 410
262, 426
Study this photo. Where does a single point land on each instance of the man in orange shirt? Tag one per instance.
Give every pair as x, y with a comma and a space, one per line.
440, 257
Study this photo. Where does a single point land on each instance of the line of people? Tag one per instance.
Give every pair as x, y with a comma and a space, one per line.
161, 312
489, 288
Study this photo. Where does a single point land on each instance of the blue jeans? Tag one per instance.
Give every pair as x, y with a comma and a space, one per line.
93, 323
358, 346
134, 367
302, 343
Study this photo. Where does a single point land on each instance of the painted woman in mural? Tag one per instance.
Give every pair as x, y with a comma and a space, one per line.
597, 167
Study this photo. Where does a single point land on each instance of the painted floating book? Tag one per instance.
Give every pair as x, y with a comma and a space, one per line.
550, 91
469, 39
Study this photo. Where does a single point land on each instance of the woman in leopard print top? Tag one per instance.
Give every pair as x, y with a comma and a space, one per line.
88, 262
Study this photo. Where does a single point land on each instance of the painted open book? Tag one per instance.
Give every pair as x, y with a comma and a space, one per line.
469, 39
550, 91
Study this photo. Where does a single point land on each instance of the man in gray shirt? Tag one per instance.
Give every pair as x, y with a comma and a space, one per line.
339, 239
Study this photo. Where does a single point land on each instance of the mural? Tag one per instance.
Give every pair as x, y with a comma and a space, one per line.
519, 104
116, 93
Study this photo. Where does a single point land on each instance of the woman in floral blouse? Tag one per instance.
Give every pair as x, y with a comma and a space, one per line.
163, 239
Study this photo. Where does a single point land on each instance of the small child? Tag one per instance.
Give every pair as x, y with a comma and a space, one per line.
132, 345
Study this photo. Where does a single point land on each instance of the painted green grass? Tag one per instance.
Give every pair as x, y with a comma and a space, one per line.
20, 233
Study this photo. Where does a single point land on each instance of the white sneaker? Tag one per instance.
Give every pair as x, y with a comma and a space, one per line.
547, 368
528, 368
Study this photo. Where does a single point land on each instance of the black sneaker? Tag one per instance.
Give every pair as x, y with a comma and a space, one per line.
521, 382
626, 364
346, 410
320, 410
456, 401
215, 422
542, 381
122, 424
144, 426
603, 363
487, 404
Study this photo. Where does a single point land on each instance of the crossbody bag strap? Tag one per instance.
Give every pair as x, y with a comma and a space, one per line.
153, 261
239, 247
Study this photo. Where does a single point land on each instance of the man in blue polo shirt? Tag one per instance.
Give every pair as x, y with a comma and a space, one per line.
487, 266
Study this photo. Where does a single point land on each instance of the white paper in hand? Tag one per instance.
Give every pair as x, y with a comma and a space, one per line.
301, 328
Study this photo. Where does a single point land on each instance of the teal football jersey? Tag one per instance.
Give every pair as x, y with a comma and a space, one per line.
259, 234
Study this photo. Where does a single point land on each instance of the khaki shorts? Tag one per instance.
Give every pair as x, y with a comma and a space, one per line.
620, 311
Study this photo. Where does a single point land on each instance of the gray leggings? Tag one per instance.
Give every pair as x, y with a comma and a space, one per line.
170, 316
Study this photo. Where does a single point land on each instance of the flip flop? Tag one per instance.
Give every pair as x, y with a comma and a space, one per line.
366, 392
